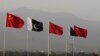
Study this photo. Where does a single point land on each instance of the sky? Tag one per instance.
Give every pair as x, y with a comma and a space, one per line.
84, 9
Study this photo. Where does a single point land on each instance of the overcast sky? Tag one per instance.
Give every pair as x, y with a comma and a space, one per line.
85, 9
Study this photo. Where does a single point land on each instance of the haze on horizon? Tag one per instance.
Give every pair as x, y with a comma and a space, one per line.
84, 9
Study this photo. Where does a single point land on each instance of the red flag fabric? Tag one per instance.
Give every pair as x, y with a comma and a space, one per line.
55, 29
80, 32
14, 21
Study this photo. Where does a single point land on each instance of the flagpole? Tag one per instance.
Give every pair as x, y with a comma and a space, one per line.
48, 38
66, 42
66, 46
27, 39
27, 45
73, 46
4, 44
4, 41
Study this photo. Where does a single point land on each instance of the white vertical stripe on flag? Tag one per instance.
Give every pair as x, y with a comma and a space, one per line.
29, 24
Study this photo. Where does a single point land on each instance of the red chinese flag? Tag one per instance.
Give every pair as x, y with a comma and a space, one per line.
55, 29
14, 21
80, 32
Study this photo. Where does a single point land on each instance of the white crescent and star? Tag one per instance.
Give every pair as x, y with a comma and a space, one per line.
35, 26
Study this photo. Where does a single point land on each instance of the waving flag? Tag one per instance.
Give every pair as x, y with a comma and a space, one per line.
14, 21
77, 31
81, 32
55, 29
34, 25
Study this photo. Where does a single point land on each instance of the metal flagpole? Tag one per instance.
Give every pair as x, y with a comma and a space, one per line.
67, 35
4, 41
66, 42
27, 36
27, 45
73, 47
66, 46
48, 38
